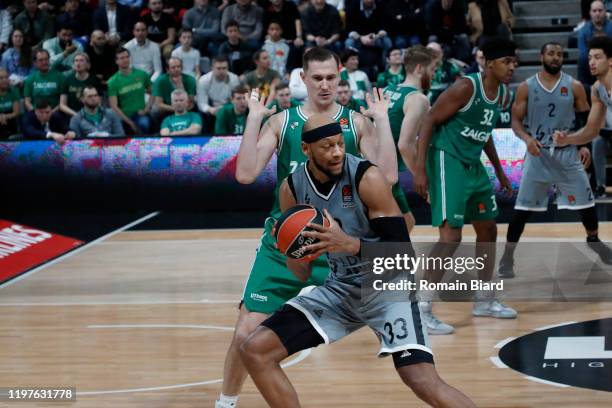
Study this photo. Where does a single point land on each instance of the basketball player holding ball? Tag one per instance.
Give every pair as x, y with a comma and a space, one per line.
270, 284
329, 312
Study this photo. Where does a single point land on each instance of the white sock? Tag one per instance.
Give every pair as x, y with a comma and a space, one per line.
228, 400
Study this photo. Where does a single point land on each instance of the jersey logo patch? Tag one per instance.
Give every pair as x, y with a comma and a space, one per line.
482, 208
571, 199
347, 196
344, 124
564, 91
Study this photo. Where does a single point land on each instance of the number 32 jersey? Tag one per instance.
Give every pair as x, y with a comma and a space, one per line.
465, 134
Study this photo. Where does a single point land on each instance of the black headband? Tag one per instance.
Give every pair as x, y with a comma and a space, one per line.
501, 52
316, 134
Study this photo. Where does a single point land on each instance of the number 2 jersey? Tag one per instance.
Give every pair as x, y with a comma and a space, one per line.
465, 134
289, 152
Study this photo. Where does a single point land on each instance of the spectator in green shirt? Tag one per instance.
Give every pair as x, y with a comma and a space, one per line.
395, 73
183, 122
45, 83
166, 83
231, 117
283, 99
9, 106
126, 95
345, 96
445, 75
75, 82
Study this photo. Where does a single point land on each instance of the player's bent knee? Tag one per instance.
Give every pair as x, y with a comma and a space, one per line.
255, 350
422, 379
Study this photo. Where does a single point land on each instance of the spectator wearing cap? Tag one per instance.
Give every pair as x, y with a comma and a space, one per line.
41, 123
262, 77
249, 17
75, 82
357, 79
321, 24
127, 91
182, 122
9, 106
598, 25
93, 120
62, 48
231, 118
161, 27
168, 82
204, 21
445, 21
236, 50
44, 83
144, 53
36, 25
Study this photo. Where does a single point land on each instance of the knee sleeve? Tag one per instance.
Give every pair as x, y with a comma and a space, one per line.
517, 225
293, 328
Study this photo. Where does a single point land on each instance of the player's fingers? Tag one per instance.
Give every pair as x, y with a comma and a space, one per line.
329, 217
318, 247
315, 227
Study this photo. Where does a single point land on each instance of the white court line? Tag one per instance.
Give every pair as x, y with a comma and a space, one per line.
497, 362
300, 357
555, 384
159, 326
553, 325
123, 303
77, 250
504, 342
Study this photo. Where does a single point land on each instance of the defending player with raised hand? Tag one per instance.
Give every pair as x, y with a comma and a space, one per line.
408, 107
599, 121
330, 312
270, 284
452, 138
550, 101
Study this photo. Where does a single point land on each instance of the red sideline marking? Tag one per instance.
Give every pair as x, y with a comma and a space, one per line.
23, 247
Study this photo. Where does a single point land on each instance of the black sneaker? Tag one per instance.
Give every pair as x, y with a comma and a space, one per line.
600, 192
604, 252
506, 269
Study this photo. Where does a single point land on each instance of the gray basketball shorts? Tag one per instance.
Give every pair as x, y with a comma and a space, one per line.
561, 169
336, 310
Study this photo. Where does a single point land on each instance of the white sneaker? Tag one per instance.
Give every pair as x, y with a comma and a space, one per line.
434, 325
219, 404
493, 308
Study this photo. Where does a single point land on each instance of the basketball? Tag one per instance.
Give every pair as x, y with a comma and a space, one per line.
290, 226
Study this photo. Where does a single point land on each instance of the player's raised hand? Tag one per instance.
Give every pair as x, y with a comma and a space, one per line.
585, 156
331, 239
420, 182
560, 138
534, 146
378, 103
258, 105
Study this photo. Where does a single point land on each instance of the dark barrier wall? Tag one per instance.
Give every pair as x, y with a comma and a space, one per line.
152, 173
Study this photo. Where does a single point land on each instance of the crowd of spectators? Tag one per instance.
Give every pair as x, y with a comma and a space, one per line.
78, 68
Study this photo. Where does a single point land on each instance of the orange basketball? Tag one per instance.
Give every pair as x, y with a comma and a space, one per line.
290, 226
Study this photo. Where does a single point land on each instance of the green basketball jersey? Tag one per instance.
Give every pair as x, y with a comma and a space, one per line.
289, 153
465, 134
397, 94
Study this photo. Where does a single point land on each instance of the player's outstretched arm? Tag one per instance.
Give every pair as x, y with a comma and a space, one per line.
376, 140
595, 121
256, 148
446, 106
301, 269
415, 108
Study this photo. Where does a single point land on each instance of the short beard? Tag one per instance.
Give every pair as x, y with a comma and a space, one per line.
329, 174
552, 70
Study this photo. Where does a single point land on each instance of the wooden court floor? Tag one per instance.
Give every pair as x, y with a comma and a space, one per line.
143, 319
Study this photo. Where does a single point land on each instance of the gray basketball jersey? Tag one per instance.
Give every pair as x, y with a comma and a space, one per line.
602, 93
344, 204
549, 110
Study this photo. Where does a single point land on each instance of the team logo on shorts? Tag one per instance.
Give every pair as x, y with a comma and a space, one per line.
563, 91
482, 208
571, 199
347, 196
344, 124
